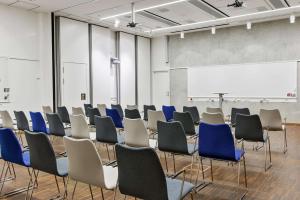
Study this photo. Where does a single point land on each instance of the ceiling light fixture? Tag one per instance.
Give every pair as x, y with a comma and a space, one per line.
249, 25
292, 19
142, 9
117, 23
213, 30
181, 35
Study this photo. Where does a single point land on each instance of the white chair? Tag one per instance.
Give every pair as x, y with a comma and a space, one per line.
85, 165
80, 128
213, 118
77, 111
132, 107
7, 121
102, 109
136, 134
214, 110
271, 121
153, 117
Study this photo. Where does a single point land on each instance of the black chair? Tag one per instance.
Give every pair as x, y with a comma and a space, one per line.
172, 139
249, 128
42, 158
22, 124
92, 113
134, 165
56, 126
146, 108
119, 108
235, 111
132, 114
63, 114
106, 132
187, 122
193, 110
86, 109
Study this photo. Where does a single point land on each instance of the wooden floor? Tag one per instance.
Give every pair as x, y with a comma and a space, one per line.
282, 181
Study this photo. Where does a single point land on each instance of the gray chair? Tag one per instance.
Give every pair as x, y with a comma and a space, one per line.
235, 111
93, 112
119, 108
42, 158
63, 113
134, 165
214, 110
172, 139
106, 132
146, 108
249, 128
213, 118
22, 124
271, 121
193, 110
187, 122
56, 126
86, 109
132, 114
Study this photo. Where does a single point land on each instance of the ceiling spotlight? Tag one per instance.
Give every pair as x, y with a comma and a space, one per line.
236, 4
181, 35
213, 30
117, 23
292, 19
249, 25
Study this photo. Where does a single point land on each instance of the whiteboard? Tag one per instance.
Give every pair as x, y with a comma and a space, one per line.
254, 80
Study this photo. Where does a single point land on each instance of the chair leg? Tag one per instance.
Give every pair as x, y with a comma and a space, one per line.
102, 194
174, 165
5, 174
115, 192
245, 172
2, 171
74, 190
211, 171
270, 151
285, 142
57, 185
30, 181
202, 168
166, 162
65, 187
192, 197
107, 152
239, 170
192, 167
35, 182
91, 191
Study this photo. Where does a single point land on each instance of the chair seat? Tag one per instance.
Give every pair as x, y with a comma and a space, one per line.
238, 154
62, 166
174, 189
26, 158
110, 176
192, 148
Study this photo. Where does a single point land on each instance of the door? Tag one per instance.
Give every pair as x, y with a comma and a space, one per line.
161, 88
75, 84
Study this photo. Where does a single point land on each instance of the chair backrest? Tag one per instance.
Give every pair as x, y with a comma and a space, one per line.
153, 118
168, 112
86, 108
119, 108
132, 114
213, 118
171, 137
134, 166
105, 130
146, 108
11, 149
56, 126
248, 127
235, 111
79, 127
38, 122
216, 141
114, 114
193, 110
92, 113
63, 114
7, 121
42, 156
102, 109
22, 121
187, 122
84, 162
271, 119
136, 133
47, 109
77, 111
130, 107
214, 110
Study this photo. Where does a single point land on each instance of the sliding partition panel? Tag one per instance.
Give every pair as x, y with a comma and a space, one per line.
101, 69
127, 69
74, 65
143, 71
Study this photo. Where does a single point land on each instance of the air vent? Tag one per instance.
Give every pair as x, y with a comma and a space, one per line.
206, 8
158, 18
277, 3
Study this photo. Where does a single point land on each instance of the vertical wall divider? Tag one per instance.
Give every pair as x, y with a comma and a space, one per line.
136, 70
91, 63
118, 73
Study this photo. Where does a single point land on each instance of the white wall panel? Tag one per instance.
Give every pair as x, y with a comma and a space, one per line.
127, 69
144, 71
101, 65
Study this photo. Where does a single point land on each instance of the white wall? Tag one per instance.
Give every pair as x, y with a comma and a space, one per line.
25, 39
127, 69
143, 71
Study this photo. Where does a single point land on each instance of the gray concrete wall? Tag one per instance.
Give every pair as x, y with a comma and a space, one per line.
265, 42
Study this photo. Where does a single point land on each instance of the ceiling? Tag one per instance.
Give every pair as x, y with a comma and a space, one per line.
174, 14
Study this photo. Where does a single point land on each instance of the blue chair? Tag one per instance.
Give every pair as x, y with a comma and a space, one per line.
38, 122
113, 113
12, 153
168, 112
216, 143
